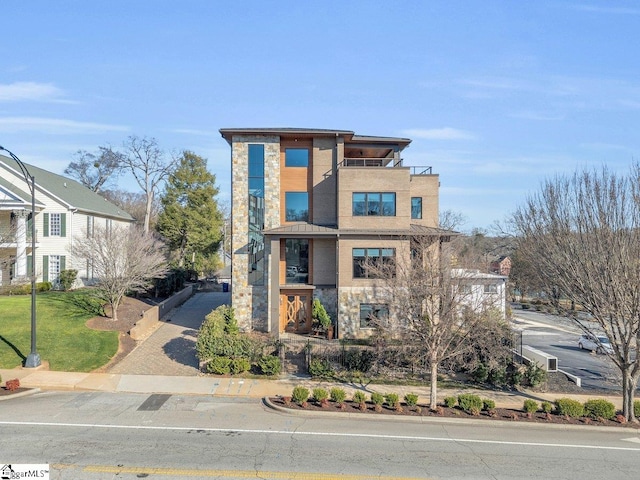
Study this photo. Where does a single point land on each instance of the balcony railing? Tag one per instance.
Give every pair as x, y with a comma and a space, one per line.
382, 162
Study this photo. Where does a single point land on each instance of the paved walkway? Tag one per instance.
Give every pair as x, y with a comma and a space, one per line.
171, 349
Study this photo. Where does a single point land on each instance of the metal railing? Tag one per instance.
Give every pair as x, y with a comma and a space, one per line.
380, 162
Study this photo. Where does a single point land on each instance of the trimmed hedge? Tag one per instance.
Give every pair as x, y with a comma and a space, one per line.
530, 406
599, 408
300, 395
269, 365
470, 403
571, 408
337, 395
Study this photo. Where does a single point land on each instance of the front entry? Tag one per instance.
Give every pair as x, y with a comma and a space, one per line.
295, 311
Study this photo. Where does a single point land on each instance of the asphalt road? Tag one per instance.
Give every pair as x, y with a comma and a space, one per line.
557, 336
100, 435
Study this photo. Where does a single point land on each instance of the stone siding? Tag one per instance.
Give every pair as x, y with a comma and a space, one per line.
349, 300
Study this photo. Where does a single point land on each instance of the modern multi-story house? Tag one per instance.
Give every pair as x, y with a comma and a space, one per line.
64, 210
310, 208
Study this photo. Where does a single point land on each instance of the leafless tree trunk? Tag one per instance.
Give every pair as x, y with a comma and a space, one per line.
123, 259
147, 163
583, 232
430, 308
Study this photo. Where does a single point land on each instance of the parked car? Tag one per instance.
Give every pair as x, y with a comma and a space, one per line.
595, 344
292, 271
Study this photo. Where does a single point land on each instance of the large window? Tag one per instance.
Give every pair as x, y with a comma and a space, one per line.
490, 288
416, 207
296, 157
297, 260
296, 206
371, 313
374, 204
255, 247
373, 262
54, 224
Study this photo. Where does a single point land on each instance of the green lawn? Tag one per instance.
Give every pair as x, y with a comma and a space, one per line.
62, 337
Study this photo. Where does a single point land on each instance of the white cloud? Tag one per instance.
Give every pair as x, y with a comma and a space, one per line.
445, 133
55, 126
21, 91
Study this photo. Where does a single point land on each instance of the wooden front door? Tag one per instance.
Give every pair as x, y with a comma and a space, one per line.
295, 311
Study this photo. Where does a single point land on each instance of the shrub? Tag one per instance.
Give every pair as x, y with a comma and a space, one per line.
411, 399
337, 395
219, 365
300, 395
481, 373
636, 408
42, 287
599, 408
320, 395
450, 402
67, 278
359, 397
377, 398
320, 368
269, 365
488, 404
359, 360
218, 337
535, 375
546, 407
498, 376
392, 399
470, 403
239, 365
13, 384
569, 407
530, 406
320, 315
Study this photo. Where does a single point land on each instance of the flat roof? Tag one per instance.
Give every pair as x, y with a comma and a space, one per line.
350, 136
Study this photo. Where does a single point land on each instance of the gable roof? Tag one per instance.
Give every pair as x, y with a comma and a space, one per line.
67, 191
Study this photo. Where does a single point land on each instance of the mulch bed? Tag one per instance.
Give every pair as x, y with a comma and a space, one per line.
4, 391
504, 414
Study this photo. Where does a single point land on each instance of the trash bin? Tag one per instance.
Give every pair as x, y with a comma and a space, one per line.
225, 286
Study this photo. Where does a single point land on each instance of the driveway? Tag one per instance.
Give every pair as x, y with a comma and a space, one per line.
171, 349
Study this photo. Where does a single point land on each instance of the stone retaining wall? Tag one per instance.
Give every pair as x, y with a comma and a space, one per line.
151, 317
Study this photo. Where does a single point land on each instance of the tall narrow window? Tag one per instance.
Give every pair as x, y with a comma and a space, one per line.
255, 245
297, 260
416, 207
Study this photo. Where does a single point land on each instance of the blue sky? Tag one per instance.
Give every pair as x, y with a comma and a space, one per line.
496, 95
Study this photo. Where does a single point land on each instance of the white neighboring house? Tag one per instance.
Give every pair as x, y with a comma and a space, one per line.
481, 291
65, 209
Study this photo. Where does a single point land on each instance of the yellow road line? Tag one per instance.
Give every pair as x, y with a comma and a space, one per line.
176, 472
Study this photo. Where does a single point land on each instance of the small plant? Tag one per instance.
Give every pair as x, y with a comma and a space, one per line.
338, 395
530, 406
13, 384
320, 368
450, 402
320, 395
239, 365
599, 408
569, 407
67, 278
219, 366
411, 399
488, 404
360, 398
636, 408
320, 315
535, 375
481, 373
300, 395
392, 399
470, 403
269, 365
546, 407
377, 399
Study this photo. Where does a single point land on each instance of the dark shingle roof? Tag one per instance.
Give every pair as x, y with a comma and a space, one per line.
67, 191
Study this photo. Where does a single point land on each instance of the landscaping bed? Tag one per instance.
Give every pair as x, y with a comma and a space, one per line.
503, 414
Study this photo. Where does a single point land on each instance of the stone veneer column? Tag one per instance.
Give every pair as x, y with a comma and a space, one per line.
251, 303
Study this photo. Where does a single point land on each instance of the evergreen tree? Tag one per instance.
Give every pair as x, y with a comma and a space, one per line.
190, 221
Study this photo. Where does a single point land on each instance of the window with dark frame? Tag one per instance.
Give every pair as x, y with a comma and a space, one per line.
296, 157
416, 208
370, 312
296, 206
374, 204
362, 257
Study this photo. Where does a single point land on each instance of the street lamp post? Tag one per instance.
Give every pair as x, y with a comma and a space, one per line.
33, 359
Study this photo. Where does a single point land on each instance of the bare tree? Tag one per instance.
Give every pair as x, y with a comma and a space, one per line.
95, 170
123, 259
135, 204
451, 220
583, 232
148, 165
430, 309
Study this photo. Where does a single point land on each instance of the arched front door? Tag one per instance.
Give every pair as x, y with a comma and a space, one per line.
295, 311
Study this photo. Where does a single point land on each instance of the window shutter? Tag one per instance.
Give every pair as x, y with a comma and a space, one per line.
45, 268
63, 224
63, 262
45, 226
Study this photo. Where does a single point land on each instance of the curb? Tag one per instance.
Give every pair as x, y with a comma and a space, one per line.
24, 393
445, 420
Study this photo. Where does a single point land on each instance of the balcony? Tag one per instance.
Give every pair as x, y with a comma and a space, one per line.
385, 163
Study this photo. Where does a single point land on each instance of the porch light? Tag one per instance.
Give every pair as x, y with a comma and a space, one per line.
33, 359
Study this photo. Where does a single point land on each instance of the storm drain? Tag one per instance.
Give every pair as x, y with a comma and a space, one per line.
154, 402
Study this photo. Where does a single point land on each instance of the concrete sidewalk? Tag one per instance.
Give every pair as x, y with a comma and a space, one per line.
249, 387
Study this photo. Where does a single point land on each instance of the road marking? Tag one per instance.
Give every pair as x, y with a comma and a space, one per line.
180, 473
320, 434
632, 439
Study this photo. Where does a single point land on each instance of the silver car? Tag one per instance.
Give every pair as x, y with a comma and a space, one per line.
595, 344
